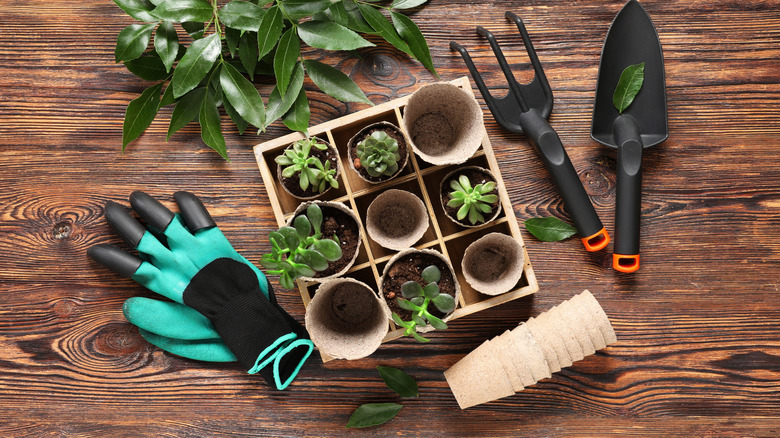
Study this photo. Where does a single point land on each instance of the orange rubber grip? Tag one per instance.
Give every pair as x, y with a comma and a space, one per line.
625, 263
597, 241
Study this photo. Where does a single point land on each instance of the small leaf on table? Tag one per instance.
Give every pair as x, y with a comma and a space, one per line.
549, 229
334, 82
399, 381
140, 113
132, 41
628, 86
373, 414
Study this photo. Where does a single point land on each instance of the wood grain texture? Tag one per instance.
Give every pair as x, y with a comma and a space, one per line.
698, 326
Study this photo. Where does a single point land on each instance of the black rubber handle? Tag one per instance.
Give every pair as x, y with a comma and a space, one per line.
547, 143
628, 205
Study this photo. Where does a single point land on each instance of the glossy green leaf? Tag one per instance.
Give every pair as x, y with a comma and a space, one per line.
628, 86
431, 274
184, 10
419, 338
444, 302
242, 94
140, 113
314, 213
406, 4
347, 14
194, 29
373, 414
334, 83
291, 238
437, 323
330, 36
186, 110
210, 125
241, 15
302, 226
138, 9
297, 118
166, 44
269, 31
328, 248
549, 229
285, 59
411, 289
431, 290
313, 259
279, 105
167, 97
381, 25
400, 382
231, 39
148, 67
239, 121
297, 9
414, 38
247, 51
132, 41
407, 305
195, 64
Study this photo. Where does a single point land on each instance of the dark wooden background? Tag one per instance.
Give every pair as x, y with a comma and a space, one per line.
698, 326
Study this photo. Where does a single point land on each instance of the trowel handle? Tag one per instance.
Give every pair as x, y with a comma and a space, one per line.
547, 143
628, 205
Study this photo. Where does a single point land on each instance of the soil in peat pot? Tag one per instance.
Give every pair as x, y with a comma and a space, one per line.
409, 268
293, 183
393, 133
475, 177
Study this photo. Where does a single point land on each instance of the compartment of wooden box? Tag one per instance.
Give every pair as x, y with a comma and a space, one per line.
417, 177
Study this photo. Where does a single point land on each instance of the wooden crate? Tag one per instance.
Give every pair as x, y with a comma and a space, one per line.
417, 177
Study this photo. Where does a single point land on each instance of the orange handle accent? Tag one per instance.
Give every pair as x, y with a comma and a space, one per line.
597, 241
625, 263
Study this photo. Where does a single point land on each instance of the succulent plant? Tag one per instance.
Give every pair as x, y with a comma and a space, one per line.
378, 154
473, 201
418, 298
297, 252
311, 169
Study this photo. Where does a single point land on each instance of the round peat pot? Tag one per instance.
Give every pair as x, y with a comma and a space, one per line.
292, 184
493, 264
408, 265
396, 219
393, 132
476, 175
444, 124
346, 319
340, 221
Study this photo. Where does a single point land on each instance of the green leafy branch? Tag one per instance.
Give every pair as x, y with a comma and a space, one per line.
473, 201
234, 42
418, 298
301, 250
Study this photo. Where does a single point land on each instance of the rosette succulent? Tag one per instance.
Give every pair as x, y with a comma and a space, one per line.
473, 201
378, 154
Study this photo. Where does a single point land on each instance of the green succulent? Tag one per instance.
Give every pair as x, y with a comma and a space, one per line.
473, 201
300, 250
378, 154
311, 169
417, 298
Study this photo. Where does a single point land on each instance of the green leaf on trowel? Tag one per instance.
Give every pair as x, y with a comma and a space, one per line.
399, 381
628, 86
549, 229
373, 414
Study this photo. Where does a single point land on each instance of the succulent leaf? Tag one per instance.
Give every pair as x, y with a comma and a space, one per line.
411, 289
378, 154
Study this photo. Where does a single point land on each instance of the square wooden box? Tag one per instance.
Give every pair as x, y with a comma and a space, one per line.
417, 177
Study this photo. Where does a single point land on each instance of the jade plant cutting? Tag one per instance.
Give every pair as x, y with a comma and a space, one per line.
378, 154
418, 298
300, 250
233, 42
472, 201
297, 159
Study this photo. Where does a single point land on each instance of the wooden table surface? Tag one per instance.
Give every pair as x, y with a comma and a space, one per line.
698, 326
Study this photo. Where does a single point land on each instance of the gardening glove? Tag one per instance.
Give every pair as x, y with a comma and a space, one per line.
223, 306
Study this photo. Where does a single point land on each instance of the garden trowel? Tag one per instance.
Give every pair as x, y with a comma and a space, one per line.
631, 41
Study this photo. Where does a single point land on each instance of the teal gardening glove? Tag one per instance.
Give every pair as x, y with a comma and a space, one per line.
223, 308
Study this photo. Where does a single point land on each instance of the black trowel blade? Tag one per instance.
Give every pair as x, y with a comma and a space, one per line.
632, 39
